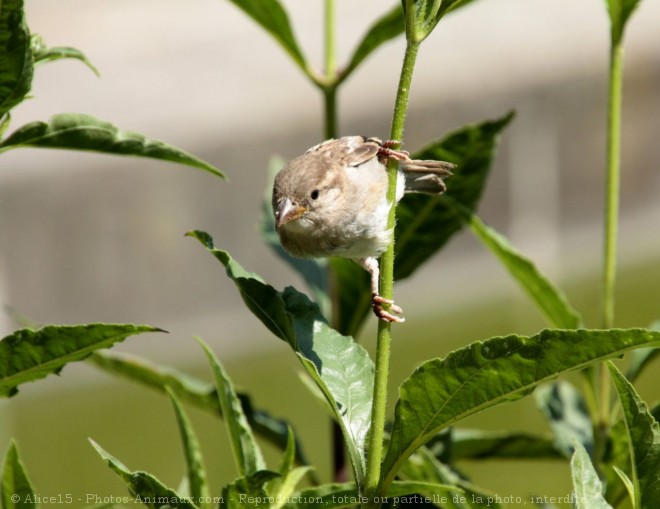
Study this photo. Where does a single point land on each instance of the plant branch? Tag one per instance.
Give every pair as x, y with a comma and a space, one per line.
383, 340
602, 422
612, 186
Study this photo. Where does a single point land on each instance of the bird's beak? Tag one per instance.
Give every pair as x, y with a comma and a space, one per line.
286, 212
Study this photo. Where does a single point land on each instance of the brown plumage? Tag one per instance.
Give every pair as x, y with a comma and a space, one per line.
332, 201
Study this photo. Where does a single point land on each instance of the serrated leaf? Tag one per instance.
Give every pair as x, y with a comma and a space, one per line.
196, 392
476, 444
248, 492
28, 354
425, 223
146, 488
549, 299
313, 271
620, 12
42, 53
195, 471
16, 68
247, 454
272, 17
444, 391
384, 29
341, 367
78, 131
587, 488
16, 491
566, 411
424, 466
644, 438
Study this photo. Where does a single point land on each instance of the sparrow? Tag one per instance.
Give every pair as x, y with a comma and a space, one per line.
332, 201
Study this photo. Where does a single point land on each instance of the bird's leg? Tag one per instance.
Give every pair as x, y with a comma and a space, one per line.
371, 266
388, 152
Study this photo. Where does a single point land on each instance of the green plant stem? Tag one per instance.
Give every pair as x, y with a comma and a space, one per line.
330, 105
611, 233
329, 90
329, 87
612, 186
379, 402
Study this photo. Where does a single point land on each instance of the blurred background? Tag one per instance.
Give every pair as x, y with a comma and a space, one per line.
87, 237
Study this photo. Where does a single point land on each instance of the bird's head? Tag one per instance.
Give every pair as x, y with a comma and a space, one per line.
303, 194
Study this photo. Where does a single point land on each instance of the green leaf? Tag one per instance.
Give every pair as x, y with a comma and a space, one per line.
425, 223
617, 457
476, 444
353, 295
642, 357
427, 13
77, 131
550, 300
146, 488
282, 487
625, 480
639, 359
444, 391
329, 496
4, 123
587, 488
341, 368
246, 451
326, 496
416, 492
568, 416
424, 466
16, 68
196, 392
16, 489
27, 354
42, 53
313, 271
620, 12
196, 473
384, 29
248, 492
272, 17
644, 438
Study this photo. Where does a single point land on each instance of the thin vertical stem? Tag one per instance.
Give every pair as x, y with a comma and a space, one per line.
329, 89
611, 230
330, 106
612, 186
330, 64
379, 403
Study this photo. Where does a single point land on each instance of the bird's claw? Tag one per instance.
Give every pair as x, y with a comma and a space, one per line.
387, 152
377, 304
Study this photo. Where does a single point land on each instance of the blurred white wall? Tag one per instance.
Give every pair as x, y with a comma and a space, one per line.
87, 237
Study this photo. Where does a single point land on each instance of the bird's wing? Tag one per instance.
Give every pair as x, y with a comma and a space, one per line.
349, 150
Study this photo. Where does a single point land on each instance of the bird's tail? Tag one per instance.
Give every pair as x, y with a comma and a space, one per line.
426, 176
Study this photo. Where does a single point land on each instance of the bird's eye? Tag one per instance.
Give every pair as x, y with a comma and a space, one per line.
315, 194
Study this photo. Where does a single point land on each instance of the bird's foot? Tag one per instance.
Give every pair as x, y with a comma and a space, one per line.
377, 304
388, 152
